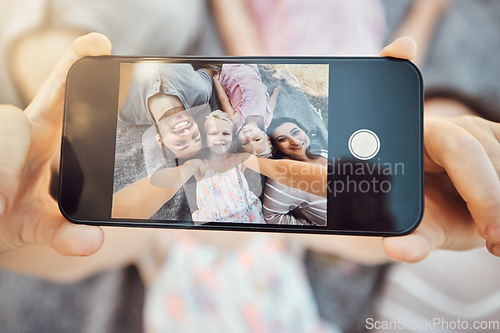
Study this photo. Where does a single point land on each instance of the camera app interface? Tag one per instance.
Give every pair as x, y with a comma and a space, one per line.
224, 142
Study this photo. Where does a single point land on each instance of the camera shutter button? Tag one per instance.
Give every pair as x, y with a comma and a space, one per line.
364, 144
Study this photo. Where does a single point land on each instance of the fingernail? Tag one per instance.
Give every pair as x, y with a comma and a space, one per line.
493, 232
495, 249
2, 205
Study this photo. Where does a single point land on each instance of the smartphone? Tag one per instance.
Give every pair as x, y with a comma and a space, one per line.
327, 145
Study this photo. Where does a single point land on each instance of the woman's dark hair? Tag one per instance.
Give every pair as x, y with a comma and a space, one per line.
277, 122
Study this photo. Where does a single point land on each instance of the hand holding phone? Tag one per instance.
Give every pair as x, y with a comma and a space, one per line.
23, 218
28, 214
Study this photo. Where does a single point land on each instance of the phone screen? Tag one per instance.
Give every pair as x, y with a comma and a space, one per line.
325, 145
273, 111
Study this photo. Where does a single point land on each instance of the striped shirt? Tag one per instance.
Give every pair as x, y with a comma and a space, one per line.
286, 205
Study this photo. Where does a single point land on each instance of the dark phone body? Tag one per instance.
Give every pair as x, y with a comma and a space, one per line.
381, 195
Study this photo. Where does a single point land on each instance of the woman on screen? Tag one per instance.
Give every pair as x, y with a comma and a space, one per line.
283, 204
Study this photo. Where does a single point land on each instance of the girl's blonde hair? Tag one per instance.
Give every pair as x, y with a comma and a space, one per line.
218, 114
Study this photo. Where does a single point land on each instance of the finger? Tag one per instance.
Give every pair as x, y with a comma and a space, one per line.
411, 248
403, 48
15, 136
487, 133
491, 147
416, 246
495, 127
53, 230
494, 248
77, 240
47, 106
444, 225
495, 158
471, 171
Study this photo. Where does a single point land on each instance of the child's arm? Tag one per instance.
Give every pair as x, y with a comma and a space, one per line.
224, 100
304, 176
271, 104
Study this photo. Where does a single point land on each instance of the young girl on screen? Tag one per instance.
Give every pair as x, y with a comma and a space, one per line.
244, 98
222, 192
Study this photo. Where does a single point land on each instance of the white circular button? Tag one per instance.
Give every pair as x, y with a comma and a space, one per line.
364, 144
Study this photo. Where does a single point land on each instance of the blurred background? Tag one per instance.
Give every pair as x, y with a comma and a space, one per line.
460, 47
458, 56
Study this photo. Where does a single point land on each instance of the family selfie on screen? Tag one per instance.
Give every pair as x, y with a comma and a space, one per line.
216, 130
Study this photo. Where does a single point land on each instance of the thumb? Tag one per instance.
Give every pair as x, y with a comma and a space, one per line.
47, 106
77, 239
15, 136
410, 248
46, 225
403, 48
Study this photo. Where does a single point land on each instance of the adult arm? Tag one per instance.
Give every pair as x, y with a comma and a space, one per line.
420, 24
158, 189
303, 176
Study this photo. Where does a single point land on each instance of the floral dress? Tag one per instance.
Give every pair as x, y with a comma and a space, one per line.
260, 287
226, 197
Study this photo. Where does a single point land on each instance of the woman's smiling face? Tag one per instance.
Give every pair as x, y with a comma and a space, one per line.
291, 140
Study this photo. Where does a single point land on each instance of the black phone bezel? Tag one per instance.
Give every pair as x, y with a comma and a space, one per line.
75, 155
